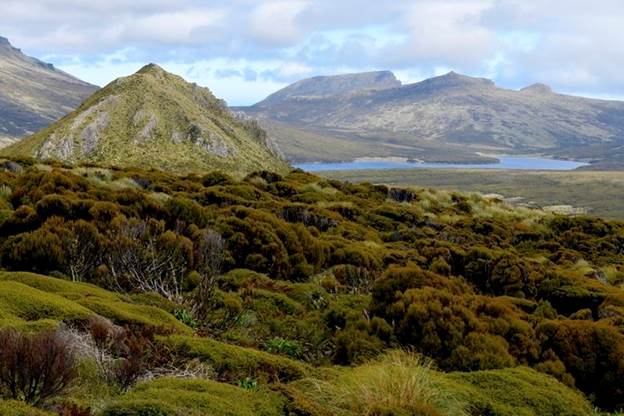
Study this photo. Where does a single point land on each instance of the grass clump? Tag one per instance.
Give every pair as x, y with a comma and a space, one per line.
400, 383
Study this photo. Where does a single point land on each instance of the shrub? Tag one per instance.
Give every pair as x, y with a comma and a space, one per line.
34, 368
466, 332
588, 349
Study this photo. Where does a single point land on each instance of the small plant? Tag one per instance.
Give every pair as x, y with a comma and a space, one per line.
185, 317
248, 383
283, 346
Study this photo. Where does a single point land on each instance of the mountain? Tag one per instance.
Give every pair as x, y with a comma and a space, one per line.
154, 119
448, 118
324, 86
34, 94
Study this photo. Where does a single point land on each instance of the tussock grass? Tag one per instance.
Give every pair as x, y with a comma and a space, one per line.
399, 383
318, 188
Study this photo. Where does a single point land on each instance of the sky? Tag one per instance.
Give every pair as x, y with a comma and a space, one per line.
243, 50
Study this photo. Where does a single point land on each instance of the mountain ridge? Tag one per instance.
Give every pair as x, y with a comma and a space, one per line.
33, 94
453, 117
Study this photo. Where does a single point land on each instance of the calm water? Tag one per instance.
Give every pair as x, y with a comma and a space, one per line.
505, 162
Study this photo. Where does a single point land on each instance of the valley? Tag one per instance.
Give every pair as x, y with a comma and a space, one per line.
597, 193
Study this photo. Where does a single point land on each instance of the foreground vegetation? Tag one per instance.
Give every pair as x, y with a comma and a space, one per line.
598, 193
298, 295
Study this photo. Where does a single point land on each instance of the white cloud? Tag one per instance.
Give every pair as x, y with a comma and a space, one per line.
276, 22
449, 32
174, 27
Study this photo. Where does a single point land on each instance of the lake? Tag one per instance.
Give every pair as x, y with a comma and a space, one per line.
505, 162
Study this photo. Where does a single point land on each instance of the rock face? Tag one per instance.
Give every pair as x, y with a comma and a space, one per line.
34, 94
154, 119
447, 115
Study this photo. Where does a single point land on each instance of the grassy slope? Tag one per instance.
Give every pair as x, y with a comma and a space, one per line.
300, 145
602, 193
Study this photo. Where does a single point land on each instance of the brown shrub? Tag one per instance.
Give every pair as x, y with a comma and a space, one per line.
34, 368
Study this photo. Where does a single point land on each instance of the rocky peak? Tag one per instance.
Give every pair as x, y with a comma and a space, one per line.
6, 47
537, 88
453, 79
327, 86
152, 69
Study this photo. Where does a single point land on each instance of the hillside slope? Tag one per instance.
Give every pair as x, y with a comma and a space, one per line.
154, 119
453, 114
34, 94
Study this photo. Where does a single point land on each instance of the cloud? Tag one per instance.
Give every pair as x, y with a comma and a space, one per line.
186, 27
276, 22
574, 45
227, 73
449, 32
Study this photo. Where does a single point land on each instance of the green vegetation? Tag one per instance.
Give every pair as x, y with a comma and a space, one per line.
16, 408
404, 384
599, 193
291, 294
33, 301
166, 397
234, 363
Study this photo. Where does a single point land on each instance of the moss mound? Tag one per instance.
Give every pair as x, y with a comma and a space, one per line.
172, 397
33, 301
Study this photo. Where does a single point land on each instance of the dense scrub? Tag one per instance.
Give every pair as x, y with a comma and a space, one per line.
279, 274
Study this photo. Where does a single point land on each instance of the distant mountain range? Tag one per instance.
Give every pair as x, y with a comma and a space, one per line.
34, 94
447, 118
154, 119
450, 118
